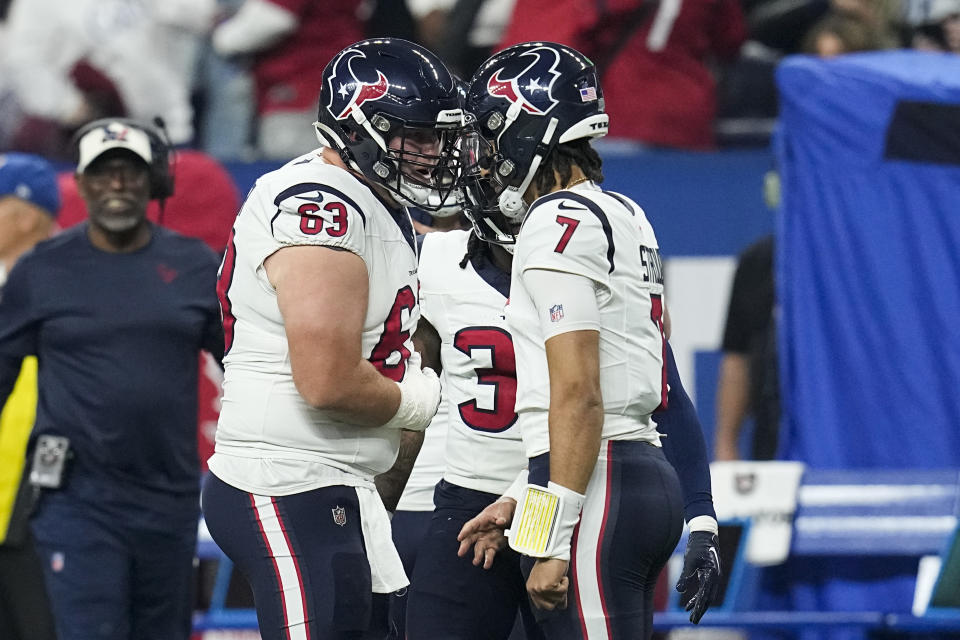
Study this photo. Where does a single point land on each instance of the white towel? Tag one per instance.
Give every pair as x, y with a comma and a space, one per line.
386, 569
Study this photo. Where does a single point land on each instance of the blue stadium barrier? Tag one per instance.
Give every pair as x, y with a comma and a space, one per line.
876, 513
881, 515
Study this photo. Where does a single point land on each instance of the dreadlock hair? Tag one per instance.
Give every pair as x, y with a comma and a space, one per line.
474, 246
561, 160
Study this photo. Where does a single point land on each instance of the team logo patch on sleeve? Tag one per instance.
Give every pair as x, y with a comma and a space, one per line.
339, 516
556, 313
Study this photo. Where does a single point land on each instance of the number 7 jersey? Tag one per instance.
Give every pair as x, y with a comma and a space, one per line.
307, 202
607, 238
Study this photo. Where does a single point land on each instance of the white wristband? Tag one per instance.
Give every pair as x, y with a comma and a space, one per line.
544, 521
517, 487
704, 523
419, 400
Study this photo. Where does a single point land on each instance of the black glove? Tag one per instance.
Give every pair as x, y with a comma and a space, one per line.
701, 571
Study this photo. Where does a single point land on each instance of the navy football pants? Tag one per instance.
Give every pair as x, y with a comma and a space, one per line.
110, 580
303, 555
631, 522
450, 598
409, 533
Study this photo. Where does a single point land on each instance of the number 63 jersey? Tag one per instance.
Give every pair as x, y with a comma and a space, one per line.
607, 238
465, 306
264, 418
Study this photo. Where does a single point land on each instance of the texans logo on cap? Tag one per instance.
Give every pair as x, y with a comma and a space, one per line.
347, 90
114, 131
532, 87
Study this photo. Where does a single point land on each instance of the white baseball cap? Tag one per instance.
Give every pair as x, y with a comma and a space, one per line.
113, 135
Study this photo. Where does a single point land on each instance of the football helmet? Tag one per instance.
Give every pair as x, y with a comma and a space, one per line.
448, 205
522, 102
391, 109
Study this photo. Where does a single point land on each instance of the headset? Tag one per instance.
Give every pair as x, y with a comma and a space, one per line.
161, 151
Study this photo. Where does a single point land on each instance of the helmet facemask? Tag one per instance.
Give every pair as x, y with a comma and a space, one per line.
483, 179
414, 161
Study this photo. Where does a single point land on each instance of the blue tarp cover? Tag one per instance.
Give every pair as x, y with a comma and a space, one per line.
868, 260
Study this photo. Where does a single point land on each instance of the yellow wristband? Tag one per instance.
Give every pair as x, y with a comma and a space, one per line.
544, 521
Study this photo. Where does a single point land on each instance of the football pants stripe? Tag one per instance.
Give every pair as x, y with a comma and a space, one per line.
587, 566
290, 583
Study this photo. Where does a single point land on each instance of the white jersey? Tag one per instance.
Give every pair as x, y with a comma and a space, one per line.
269, 440
465, 306
607, 238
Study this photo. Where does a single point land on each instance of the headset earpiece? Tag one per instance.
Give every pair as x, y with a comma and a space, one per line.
161, 177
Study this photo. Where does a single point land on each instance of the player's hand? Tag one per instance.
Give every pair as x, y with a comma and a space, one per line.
431, 387
485, 532
419, 399
701, 571
548, 584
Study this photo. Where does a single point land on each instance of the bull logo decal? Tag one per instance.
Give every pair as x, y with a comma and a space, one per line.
118, 134
348, 91
532, 87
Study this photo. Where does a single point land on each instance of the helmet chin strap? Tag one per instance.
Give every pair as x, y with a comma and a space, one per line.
505, 240
511, 200
417, 194
446, 209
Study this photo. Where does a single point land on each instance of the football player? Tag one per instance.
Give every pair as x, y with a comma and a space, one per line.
462, 331
415, 507
587, 319
318, 290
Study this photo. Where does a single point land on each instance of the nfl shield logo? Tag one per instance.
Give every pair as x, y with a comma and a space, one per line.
57, 561
339, 516
556, 313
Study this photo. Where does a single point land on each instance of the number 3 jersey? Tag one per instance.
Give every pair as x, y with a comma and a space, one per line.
269, 440
604, 237
465, 305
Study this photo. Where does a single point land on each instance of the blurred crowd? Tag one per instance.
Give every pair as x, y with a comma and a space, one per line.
239, 79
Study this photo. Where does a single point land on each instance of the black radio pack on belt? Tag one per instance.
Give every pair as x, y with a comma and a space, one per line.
49, 460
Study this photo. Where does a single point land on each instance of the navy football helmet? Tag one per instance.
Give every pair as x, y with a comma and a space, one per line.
524, 101
391, 109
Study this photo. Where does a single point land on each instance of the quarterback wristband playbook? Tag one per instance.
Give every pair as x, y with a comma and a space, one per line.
419, 399
544, 521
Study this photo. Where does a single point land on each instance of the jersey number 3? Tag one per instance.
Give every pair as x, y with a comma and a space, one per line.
501, 375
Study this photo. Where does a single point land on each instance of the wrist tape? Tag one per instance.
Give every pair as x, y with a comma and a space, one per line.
544, 521
419, 399
704, 523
